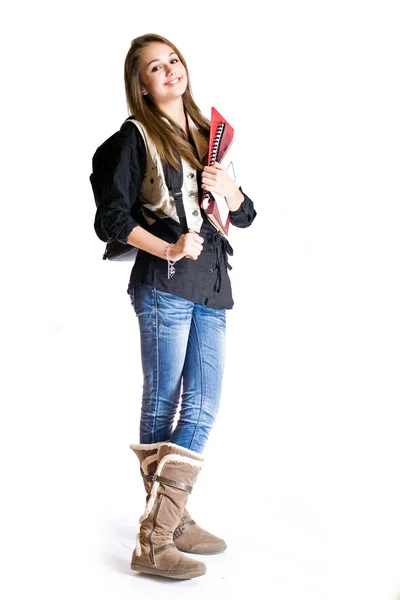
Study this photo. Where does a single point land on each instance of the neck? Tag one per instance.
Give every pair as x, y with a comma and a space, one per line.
176, 112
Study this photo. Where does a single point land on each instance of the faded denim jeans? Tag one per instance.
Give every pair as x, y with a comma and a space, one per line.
183, 354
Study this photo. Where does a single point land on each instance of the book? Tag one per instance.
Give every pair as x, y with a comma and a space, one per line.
219, 150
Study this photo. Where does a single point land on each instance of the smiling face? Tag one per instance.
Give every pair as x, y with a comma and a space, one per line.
163, 77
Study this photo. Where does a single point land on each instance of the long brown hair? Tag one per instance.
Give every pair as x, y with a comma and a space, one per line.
169, 138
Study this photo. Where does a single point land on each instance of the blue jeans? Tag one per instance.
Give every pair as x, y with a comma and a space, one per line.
183, 351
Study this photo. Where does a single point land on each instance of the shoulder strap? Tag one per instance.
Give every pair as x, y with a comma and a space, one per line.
176, 180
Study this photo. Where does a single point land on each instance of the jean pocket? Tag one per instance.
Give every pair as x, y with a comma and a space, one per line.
141, 295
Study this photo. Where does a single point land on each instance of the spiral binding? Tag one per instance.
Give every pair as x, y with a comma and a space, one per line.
214, 151
217, 141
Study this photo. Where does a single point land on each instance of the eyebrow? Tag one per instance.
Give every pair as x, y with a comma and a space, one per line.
157, 59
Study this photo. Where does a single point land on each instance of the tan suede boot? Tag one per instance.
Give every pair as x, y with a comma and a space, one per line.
188, 536
155, 552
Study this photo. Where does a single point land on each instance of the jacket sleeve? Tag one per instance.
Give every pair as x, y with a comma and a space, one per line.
114, 220
245, 214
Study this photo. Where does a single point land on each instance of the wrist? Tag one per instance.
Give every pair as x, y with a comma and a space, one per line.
167, 252
235, 200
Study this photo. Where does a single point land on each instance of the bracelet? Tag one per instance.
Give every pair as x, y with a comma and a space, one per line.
171, 268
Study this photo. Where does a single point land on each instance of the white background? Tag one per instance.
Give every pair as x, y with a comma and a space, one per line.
301, 472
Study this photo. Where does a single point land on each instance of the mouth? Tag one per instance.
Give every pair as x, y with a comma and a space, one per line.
174, 81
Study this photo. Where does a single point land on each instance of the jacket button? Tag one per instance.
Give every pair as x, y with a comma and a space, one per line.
190, 175
211, 270
195, 213
191, 194
212, 248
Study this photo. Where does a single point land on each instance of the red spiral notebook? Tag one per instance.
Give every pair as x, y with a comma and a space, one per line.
220, 142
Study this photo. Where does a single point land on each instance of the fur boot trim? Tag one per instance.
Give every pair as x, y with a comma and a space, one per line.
146, 446
191, 452
138, 550
147, 461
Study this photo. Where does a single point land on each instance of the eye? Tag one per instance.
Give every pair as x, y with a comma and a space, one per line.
157, 67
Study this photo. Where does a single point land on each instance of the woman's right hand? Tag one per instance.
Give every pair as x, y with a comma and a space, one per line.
189, 245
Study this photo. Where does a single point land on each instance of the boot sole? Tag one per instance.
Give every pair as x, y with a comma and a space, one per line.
182, 574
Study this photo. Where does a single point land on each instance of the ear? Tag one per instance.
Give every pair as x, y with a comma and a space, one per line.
144, 92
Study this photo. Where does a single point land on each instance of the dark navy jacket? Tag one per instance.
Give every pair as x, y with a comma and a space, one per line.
203, 281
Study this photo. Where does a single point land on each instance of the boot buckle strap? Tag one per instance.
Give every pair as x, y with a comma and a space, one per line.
185, 527
164, 547
148, 478
176, 484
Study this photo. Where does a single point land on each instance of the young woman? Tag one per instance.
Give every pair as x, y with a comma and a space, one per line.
179, 288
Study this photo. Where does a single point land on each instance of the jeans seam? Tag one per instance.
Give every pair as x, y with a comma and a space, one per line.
202, 382
157, 362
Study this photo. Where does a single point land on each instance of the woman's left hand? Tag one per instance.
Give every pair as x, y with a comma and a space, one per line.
216, 179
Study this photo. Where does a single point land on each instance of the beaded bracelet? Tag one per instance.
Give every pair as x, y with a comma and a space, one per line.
171, 268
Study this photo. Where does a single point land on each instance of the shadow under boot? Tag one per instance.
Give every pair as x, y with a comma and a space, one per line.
155, 552
188, 536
